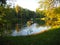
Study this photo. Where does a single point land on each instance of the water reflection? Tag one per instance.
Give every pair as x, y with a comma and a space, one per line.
33, 29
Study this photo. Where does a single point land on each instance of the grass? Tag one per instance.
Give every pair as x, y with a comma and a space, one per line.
51, 37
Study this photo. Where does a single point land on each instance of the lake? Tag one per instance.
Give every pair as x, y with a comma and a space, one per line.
33, 29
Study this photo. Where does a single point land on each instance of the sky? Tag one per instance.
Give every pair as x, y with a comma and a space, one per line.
28, 4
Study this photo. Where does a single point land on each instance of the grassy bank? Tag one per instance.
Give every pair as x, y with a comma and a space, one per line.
51, 37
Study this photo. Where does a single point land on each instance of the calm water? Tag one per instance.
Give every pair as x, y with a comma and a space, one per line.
33, 29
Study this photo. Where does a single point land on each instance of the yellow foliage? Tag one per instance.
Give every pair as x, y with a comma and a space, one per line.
42, 18
58, 19
17, 8
52, 13
29, 23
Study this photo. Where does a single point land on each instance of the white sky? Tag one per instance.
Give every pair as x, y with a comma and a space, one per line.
29, 4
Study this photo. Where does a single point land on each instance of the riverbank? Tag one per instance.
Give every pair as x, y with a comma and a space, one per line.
51, 37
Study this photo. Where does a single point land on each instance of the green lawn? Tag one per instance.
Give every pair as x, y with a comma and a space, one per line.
51, 37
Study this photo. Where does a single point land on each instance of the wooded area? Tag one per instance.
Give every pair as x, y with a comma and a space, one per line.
17, 17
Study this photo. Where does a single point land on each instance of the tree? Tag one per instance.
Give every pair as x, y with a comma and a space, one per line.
49, 7
17, 8
49, 4
2, 2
